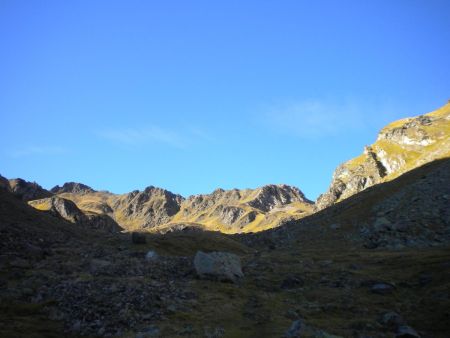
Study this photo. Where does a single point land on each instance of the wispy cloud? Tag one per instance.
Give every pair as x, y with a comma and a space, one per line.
36, 150
153, 134
138, 136
313, 118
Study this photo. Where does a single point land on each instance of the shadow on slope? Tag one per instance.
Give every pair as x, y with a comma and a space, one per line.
410, 211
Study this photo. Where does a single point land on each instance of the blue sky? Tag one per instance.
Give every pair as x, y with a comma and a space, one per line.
195, 95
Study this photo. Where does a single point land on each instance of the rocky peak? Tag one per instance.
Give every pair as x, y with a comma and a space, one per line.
59, 206
27, 191
270, 196
148, 208
72, 187
411, 132
4, 183
401, 146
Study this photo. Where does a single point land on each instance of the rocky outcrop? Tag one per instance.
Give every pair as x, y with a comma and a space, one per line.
160, 210
349, 180
61, 207
238, 210
228, 214
146, 209
27, 191
4, 183
401, 146
72, 187
69, 211
222, 266
271, 196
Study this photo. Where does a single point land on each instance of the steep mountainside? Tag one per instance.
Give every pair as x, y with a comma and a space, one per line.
72, 187
27, 191
374, 265
69, 211
246, 210
136, 210
229, 211
401, 146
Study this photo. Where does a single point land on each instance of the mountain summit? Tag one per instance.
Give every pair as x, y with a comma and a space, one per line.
401, 146
231, 211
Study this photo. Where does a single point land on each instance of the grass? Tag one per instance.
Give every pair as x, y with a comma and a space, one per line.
262, 309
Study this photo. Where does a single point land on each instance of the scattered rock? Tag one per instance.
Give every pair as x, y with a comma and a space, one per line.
294, 330
292, 282
217, 332
299, 329
98, 266
382, 288
151, 256
20, 263
392, 320
222, 266
335, 226
406, 331
151, 331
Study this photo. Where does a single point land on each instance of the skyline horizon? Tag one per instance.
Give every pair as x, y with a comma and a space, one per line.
199, 95
186, 196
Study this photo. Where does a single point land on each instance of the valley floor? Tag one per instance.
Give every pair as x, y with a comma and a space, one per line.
110, 289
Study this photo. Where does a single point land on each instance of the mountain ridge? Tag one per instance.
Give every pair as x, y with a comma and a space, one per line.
400, 146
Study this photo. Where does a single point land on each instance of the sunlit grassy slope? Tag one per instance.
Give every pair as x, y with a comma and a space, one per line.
208, 212
400, 147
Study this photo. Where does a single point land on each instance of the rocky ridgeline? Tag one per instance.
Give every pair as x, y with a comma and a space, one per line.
160, 210
271, 196
72, 187
145, 209
401, 146
26, 191
69, 211
235, 210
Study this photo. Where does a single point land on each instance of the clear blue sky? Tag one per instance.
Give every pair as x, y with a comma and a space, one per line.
195, 95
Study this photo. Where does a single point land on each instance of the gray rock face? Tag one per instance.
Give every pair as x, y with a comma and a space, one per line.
151, 207
27, 191
72, 187
229, 214
349, 181
400, 147
222, 266
69, 211
271, 196
61, 207
411, 133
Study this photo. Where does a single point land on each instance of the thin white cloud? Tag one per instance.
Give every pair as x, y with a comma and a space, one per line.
314, 119
153, 134
36, 150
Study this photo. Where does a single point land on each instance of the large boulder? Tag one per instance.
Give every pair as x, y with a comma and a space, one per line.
299, 329
222, 266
